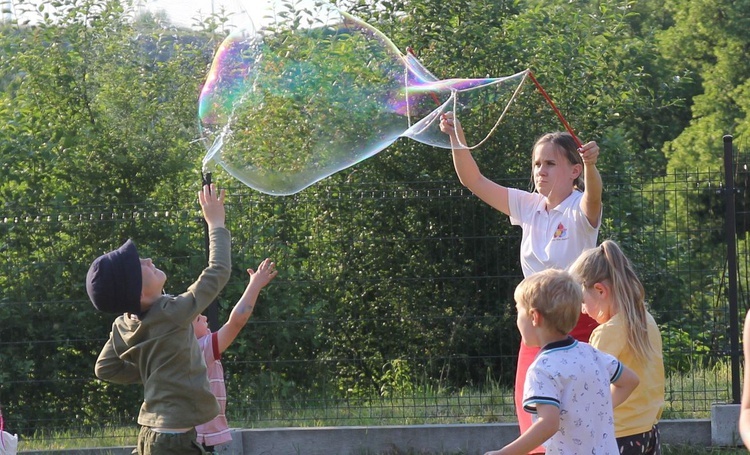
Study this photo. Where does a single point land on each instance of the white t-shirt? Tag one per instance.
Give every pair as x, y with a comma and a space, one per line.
575, 377
554, 238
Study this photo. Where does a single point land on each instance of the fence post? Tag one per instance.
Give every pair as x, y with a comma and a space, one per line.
731, 234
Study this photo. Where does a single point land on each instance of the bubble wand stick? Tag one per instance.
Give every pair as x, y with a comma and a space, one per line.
554, 108
411, 52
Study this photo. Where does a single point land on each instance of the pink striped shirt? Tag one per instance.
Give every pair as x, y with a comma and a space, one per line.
216, 431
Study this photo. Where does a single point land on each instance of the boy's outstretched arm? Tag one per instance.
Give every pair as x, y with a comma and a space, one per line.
624, 386
245, 305
215, 276
212, 205
546, 425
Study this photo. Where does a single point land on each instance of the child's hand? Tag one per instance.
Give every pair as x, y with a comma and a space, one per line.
589, 153
265, 274
212, 205
449, 124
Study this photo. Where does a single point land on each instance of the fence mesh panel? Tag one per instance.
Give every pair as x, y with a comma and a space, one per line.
393, 304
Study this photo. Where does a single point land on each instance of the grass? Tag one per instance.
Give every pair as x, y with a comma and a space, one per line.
116, 437
688, 396
98, 437
685, 450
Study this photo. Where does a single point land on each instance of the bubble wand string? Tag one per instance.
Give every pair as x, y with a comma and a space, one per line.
539, 87
554, 108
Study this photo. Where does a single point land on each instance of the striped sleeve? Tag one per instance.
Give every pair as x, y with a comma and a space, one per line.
530, 404
617, 373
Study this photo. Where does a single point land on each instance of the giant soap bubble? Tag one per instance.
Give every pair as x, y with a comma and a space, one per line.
309, 90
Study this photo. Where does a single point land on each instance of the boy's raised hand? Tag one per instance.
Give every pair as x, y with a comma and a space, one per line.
212, 205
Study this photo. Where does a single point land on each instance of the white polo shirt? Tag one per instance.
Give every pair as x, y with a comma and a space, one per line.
554, 238
575, 377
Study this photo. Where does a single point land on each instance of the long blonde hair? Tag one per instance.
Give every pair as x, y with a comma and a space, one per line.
608, 263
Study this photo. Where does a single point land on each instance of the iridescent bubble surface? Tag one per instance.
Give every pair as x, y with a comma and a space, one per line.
313, 90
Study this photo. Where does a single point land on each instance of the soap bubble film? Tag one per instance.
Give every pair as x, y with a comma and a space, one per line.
310, 90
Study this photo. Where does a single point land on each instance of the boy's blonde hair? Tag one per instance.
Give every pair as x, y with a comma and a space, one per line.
555, 295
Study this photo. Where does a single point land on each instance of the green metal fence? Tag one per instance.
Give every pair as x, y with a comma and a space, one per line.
393, 304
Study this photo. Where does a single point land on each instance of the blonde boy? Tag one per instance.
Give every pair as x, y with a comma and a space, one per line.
152, 340
571, 388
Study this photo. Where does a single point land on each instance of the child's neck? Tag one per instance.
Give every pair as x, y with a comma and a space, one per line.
548, 337
555, 199
148, 300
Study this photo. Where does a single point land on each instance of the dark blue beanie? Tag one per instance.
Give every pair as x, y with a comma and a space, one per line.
114, 281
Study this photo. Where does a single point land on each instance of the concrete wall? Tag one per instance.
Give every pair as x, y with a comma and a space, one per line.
421, 439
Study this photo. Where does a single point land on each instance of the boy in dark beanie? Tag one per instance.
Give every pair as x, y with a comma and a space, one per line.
152, 341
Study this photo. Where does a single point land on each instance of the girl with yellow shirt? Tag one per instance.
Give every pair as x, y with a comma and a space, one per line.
614, 296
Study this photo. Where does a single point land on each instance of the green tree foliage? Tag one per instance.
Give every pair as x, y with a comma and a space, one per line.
599, 62
99, 114
707, 43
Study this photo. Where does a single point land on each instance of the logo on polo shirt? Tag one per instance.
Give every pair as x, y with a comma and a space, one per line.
561, 233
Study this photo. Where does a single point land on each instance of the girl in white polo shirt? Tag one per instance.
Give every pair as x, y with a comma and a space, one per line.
560, 219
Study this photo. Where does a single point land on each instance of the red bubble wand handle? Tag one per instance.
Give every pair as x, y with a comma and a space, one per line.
410, 51
554, 108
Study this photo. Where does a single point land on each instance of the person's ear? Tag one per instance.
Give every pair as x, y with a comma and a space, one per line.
601, 289
536, 317
577, 170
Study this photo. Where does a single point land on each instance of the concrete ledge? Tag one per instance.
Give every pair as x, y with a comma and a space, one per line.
725, 430
467, 439
434, 439
691, 432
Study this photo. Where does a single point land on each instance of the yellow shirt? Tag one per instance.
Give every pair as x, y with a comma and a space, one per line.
643, 408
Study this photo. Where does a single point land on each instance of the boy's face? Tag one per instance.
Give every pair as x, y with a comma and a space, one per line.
200, 326
525, 324
153, 278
